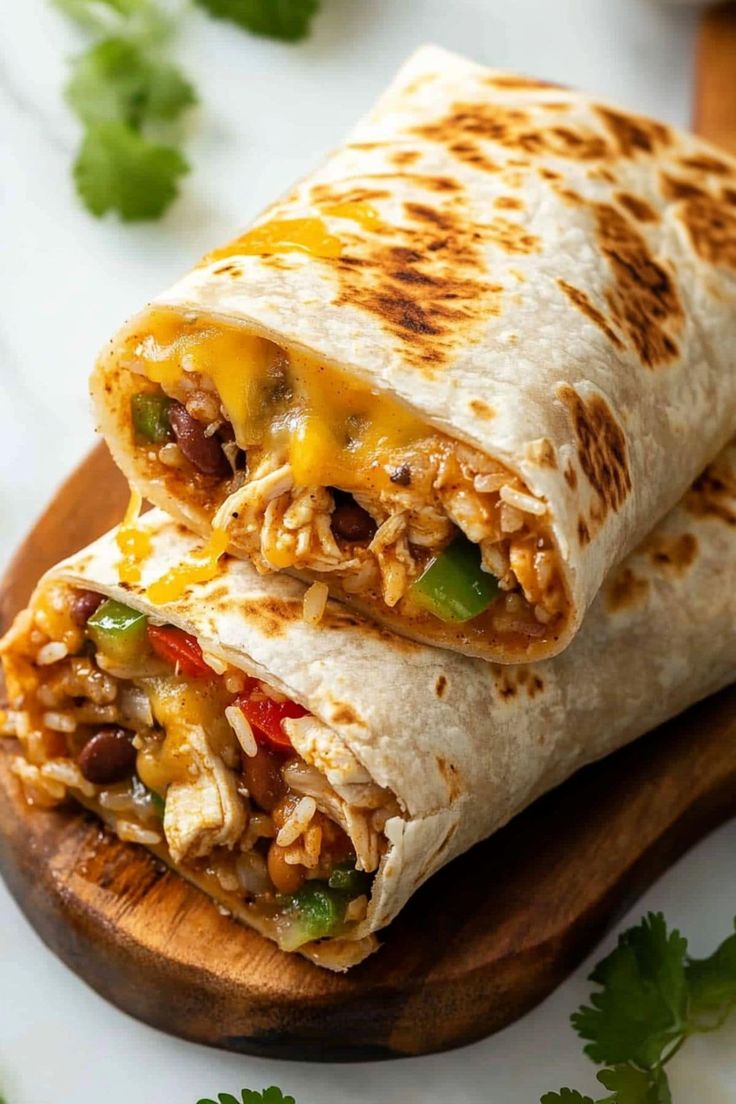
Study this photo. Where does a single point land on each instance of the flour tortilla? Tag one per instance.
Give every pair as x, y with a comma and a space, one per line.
548, 269
465, 745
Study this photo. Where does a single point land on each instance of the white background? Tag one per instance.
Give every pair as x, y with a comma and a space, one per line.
268, 112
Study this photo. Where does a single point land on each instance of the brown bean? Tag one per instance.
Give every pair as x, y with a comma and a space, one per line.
287, 877
205, 453
263, 779
352, 523
108, 757
84, 604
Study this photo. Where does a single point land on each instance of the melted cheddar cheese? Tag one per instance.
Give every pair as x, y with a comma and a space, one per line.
134, 543
301, 235
336, 430
199, 567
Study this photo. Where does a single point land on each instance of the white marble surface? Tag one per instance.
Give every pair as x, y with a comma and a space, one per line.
267, 113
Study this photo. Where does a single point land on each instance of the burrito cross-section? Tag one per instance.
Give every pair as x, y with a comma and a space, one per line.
309, 776
459, 371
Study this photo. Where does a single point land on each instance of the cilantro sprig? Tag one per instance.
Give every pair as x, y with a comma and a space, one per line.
652, 998
128, 96
120, 88
289, 20
250, 1096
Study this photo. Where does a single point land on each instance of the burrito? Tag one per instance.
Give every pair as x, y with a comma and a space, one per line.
459, 371
309, 776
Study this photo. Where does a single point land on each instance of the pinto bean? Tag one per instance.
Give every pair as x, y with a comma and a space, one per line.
287, 877
84, 604
108, 757
205, 453
352, 523
263, 779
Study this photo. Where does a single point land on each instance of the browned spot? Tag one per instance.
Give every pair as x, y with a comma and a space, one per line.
426, 280
451, 778
230, 269
644, 300
337, 194
403, 157
571, 477
510, 236
583, 531
541, 452
440, 686
344, 714
481, 409
602, 173
711, 225
624, 589
567, 195
556, 105
674, 188
509, 681
728, 195
508, 203
601, 447
638, 207
583, 303
634, 134
677, 553
512, 128
365, 145
549, 174
704, 163
713, 494
269, 614
419, 82
512, 80
471, 154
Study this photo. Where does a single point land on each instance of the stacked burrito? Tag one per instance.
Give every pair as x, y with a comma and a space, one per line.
445, 506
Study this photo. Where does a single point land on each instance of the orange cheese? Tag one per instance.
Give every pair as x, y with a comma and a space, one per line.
337, 430
300, 235
200, 567
134, 543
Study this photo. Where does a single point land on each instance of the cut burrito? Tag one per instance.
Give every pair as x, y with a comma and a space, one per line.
459, 371
309, 777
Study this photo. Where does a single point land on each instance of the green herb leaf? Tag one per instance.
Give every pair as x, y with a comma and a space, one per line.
566, 1096
119, 170
288, 20
635, 1086
643, 1002
115, 81
712, 984
250, 1096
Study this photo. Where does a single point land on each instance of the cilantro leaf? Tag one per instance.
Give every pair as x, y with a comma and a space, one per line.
119, 170
566, 1096
635, 1086
642, 1005
250, 1096
712, 983
288, 20
114, 80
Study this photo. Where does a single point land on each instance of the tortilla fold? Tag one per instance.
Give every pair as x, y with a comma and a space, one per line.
460, 745
544, 283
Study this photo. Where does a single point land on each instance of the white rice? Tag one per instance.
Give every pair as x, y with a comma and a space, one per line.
242, 729
297, 822
527, 503
315, 601
59, 722
51, 653
133, 833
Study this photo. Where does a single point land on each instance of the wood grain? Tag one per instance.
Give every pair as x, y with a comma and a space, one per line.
715, 98
482, 943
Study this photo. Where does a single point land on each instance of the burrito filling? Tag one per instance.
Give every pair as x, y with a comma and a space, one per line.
308, 469
191, 757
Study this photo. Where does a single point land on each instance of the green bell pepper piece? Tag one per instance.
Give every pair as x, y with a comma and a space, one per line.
453, 586
345, 877
313, 912
150, 413
118, 631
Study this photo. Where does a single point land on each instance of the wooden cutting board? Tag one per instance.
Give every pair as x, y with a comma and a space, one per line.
482, 943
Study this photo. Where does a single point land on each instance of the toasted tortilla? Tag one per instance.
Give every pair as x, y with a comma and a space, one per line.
462, 744
551, 280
